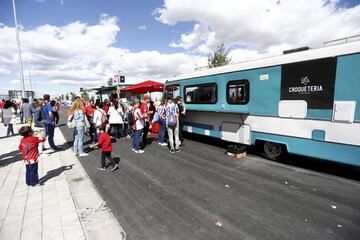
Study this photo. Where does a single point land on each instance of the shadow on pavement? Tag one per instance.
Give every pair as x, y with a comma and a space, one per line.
318, 165
3, 137
54, 173
117, 161
61, 148
9, 158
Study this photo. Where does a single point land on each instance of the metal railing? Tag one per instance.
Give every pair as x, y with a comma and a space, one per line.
342, 40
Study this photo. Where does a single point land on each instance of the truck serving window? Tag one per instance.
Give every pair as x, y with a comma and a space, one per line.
237, 92
172, 91
201, 93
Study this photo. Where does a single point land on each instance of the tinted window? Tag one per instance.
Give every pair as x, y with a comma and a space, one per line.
202, 93
237, 92
172, 91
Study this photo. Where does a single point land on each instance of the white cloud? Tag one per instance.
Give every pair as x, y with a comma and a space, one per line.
200, 33
241, 55
260, 24
142, 27
79, 54
4, 71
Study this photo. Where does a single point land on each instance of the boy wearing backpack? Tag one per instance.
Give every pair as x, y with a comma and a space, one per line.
172, 123
99, 118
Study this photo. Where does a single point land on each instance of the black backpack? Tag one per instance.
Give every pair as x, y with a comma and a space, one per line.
129, 118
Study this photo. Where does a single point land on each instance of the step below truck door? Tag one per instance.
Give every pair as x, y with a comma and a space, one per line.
235, 132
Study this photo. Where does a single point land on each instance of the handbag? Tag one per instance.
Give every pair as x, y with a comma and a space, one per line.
71, 123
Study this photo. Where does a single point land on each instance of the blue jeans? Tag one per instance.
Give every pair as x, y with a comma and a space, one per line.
50, 130
118, 130
10, 129
95, 133
162, 131
137, 139
32, 177
78, 142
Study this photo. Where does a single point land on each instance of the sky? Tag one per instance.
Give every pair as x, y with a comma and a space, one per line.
67, 44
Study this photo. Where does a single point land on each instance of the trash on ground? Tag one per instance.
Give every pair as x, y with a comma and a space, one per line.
236, 151
227, 185
339, 226
333, 206
286, 182
219, 224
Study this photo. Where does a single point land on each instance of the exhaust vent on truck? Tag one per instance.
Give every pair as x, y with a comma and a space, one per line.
296, 50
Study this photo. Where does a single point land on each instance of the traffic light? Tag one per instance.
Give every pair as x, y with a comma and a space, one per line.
122, 79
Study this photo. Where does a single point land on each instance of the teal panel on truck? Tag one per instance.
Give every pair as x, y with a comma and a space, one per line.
348, 81
264, 94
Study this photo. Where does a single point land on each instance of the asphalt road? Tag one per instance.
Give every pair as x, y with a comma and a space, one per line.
159, 195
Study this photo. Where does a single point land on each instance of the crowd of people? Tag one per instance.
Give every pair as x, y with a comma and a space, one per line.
98, 120
137, 120
40, 118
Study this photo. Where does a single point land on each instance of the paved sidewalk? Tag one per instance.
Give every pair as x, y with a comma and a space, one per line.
66, 206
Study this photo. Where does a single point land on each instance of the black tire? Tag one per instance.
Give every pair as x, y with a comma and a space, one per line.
273, 151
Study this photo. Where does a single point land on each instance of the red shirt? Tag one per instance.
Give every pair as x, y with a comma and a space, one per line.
144, 109
105, 142
57, 106
89, 111
29, 148
138, 118
2, 105
106, 108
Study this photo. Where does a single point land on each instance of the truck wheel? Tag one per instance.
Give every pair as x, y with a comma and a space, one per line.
274, 151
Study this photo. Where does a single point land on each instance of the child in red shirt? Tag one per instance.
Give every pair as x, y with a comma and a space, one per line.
29, 149
104, 142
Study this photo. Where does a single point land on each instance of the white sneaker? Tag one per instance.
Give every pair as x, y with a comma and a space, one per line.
133, 149
83, 154
140, 151
75, 153
163, 144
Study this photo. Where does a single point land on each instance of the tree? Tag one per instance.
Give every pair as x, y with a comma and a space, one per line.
73, 96
219, 57
110, 81
85, 96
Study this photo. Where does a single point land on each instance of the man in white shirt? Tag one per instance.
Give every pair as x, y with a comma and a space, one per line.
97, 118
172, 123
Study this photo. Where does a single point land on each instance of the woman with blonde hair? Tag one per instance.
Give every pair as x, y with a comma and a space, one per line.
76, 114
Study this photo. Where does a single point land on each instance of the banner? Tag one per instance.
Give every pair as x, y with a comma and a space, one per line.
312, 81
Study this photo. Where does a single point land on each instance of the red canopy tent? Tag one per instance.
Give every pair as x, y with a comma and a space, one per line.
144, 87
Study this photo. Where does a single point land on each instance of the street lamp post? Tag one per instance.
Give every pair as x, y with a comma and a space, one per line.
19, 53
